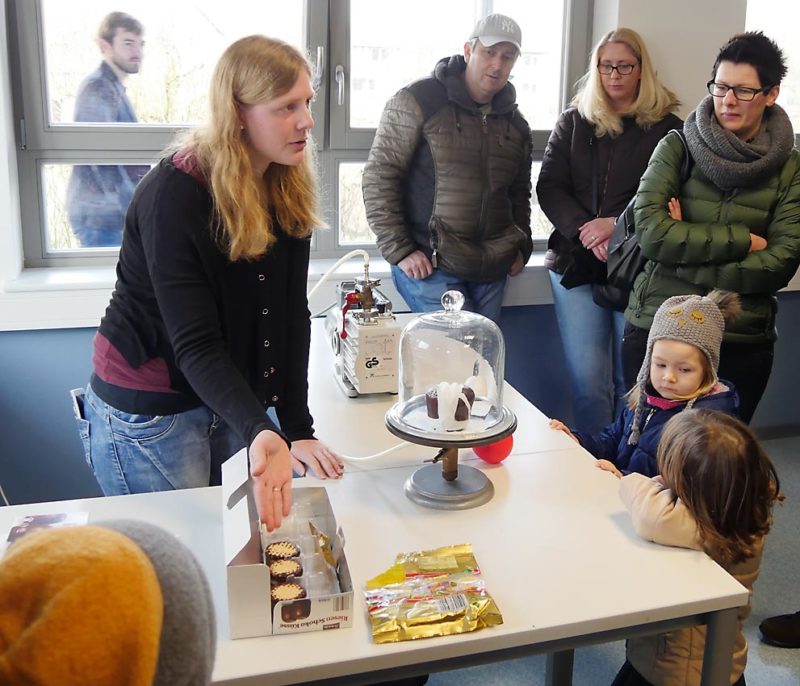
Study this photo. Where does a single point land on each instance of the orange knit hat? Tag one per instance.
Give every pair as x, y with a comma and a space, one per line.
80, 606
122, 603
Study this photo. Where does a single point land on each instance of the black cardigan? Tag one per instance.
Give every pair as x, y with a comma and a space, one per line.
564, 188
235, 335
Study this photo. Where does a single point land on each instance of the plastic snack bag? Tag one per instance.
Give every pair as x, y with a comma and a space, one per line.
430, 593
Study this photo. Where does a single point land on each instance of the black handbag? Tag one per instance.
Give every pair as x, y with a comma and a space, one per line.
625, 259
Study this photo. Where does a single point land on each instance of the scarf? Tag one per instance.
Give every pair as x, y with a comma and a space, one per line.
730, 162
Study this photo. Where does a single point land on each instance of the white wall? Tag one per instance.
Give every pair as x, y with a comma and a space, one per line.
682, 37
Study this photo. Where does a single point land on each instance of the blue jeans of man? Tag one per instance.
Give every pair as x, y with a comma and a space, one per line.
425, 295
93, 237
592, 340
131, 453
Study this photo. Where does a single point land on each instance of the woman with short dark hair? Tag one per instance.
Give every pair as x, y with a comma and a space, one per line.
734, 223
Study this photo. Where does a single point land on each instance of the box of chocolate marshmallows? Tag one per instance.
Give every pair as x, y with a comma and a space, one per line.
291, 580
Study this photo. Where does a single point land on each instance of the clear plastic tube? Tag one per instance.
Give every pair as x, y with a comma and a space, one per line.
339, 262
349, 458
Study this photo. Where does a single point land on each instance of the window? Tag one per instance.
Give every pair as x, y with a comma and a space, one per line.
365, 52
182, 40
778, 19
373, 56
85, 147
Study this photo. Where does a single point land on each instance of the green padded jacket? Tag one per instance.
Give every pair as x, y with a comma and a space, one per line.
709, 248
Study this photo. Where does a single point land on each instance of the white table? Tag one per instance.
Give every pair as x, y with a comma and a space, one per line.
557, 550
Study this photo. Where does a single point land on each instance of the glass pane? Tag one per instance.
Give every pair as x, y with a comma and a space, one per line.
540, 225
779, 19
85, 204
182, 41
537, 73
383, 59
353, 227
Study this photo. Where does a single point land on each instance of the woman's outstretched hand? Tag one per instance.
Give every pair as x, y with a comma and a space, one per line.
271, 475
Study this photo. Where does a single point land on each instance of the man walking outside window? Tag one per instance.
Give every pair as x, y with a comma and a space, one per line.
98, 194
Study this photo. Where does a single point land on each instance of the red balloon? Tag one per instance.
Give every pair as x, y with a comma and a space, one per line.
495, 452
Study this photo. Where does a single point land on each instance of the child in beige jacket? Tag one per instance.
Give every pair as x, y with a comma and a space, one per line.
714, 493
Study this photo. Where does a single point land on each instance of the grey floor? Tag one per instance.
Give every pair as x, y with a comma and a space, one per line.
776, 591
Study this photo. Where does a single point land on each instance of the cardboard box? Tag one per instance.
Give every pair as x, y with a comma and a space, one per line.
249, 605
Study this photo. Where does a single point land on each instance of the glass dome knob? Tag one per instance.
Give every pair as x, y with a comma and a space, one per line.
453, 301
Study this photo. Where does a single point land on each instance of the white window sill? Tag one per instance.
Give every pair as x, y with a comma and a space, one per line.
77, 297
63, 298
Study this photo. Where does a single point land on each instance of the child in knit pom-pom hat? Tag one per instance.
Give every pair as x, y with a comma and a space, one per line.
122, 603
679, 371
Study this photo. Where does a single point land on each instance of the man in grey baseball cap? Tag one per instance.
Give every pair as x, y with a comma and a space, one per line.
498, 28
447, 183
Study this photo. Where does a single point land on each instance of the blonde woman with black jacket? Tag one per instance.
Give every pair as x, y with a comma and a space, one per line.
596, 155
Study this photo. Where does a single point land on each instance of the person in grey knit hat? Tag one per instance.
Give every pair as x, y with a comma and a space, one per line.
680, 371
120, 602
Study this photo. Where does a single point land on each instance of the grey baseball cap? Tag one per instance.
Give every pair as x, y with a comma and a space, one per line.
498, 28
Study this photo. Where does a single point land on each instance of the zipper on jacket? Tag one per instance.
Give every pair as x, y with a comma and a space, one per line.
485, 173
605, 181
641, 291
433, 228
727, 199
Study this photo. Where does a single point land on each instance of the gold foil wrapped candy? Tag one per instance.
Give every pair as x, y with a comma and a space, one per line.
430, 593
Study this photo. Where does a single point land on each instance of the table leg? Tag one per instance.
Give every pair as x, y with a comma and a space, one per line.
718, 654
558, 671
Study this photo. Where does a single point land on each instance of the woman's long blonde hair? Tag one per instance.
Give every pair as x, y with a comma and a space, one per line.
251, 71
654, 101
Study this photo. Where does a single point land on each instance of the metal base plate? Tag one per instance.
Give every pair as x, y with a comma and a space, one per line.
428, 488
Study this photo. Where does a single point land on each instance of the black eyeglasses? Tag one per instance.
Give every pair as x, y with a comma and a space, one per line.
720, 90
622, 69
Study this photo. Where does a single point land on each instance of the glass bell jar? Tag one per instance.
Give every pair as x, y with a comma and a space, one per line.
451, 379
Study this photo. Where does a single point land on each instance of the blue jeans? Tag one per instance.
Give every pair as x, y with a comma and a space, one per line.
132, 453
109, 237
425, 295
592, 340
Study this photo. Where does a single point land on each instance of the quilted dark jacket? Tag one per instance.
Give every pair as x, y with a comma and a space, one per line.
565, 188
443, 176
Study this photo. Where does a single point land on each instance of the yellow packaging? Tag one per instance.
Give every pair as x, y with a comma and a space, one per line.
430, 593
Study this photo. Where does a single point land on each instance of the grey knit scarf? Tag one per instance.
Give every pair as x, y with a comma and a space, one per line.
730, 162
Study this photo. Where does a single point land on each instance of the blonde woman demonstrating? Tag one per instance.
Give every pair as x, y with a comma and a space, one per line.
208, 326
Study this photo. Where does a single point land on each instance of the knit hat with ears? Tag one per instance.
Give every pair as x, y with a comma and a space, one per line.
696, 319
